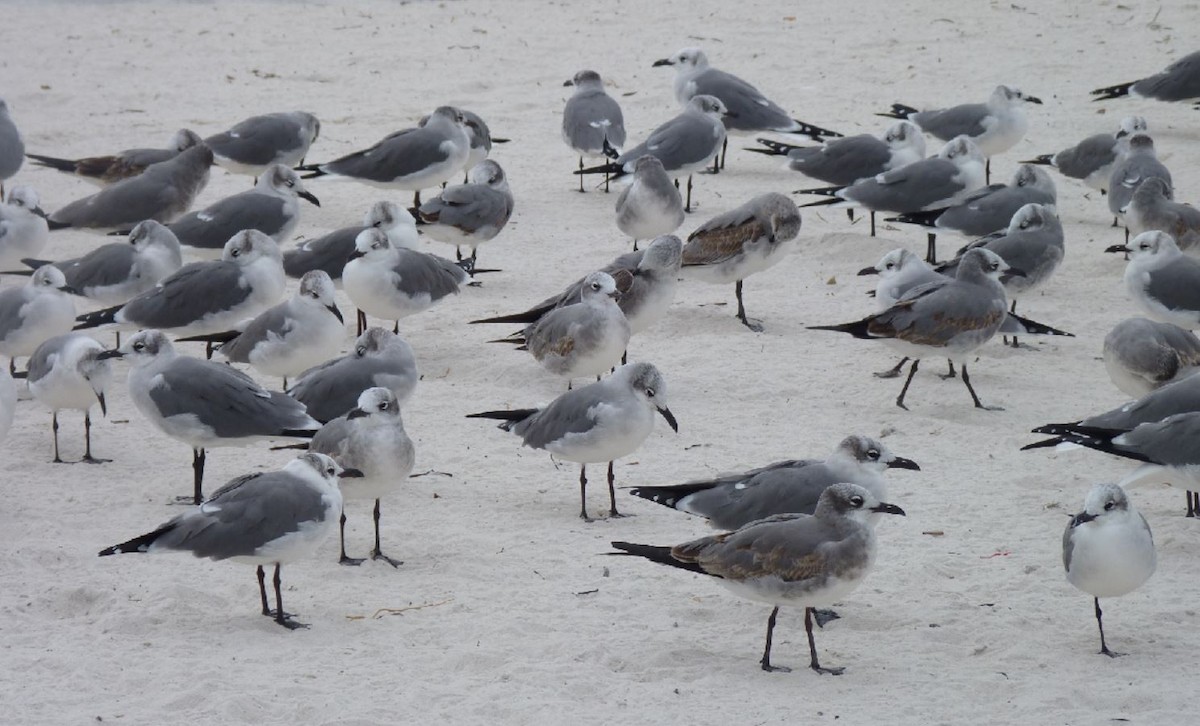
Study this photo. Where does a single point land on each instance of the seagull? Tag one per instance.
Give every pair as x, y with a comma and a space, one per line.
256, 144
732, 246
469, 214
370, 439
956, 316
291, 337
1163, 282
23, 228
1179, 81
115, 273
650, 206
1108, 550
411, 159
646, 280
580, 340
995, 126
67, 372
1136, 166
1092, 159
750, 111
271, 207
599, 422
1151, 208
162, 192
934, 183
794, 486
479, 137
205, 297
204, 404
379, 358
12, 148
392, 283
33, 313
592, 119
684, 145
788, 559
264, 518
110, 168
332, 251
1141, 355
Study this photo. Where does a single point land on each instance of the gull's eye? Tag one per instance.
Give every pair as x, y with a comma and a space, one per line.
891, 265
1143, 246
383, 406
330, 471
994, 266
1108, 506
139, 347
314, 296
856, 501
873, 454
595, 286
360, 351
649, 393
235, 252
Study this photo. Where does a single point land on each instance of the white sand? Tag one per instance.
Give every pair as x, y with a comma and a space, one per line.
977, 624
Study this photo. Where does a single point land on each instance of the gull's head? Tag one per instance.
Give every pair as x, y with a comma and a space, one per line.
389, 216
25, 197
142, 347
870, 453
649, 386
961, 150
477, 129
892, 263
1104, 500
49, 277
664, 253
710, 105
449, 114
1141, 142
371, 243
316, 288
1029, 176
250, 246
1152, 189
1029, 218
586, 79
311, 463
904, 134
1132, 125
286, 181
852, 502
375, 402
149, 233
374, 340
648, 164
599, 285
1009, 96
311, 124
488, 172
978, 261
685, 60
1148, 245
184, 139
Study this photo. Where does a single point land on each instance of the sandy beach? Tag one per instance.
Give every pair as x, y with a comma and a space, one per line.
505, 610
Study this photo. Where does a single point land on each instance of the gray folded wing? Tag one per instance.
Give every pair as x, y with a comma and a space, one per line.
1171, 442
329, 252
910, 188
212, 227
1182, 396
785, 487
842, 161
109, 264
272, 323
332, 388
1180, 81
398, 155
1176, 286
573, 412
991, 209
749, 109
425, 274
947, 123
469, 207
258, 141
589, 119
685, 139
196, 290
1087, 157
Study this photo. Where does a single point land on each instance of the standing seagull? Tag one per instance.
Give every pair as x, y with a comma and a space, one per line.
846, 160
1091, 160
685, 144
1163, 282
732, 246
955, 316
1141, 355
162, 192
67, 371
750, 112
271, 207
111, 168
592, 119
646, 280
12, 148
650, 206
291, 337
995, 126
370, 439
1179, 81
23, 228
594, 424
934, 183
264, 518
205, 297
205, 404
469, 214
580, 340
332, 251
785, 487
1151, 208
254, 145
1136, 166
411, 159
34, 313
1108, 550
788, 559
114, 273
379, 358
392, 283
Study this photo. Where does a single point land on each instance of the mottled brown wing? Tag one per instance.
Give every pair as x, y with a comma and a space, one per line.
107, 168
713, 246
624, 280
788, 546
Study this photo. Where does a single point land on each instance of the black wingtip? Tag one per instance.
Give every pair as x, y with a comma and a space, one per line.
899, 110
1033, 327
311, 171
54, 162
614, 169
53, 225
1043, 444
1043, 160
926, 218
1110, 92
858, 328
816, 133
97, 318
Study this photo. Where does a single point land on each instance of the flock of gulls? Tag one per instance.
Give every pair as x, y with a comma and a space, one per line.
794, 533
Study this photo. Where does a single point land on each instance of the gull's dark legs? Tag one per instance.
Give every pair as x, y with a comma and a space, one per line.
850, 213
208, 350
1193, 504
724, 151
635, 249
417, 199
612, 493
1103, 646
581, 190
198, 457
741, 311
284, 619
766, 658
87, 441
949, 371
912, 371
1013, 310
893, 372
872, 223
931, 248
812, 648
262, 590
583, 493
987, 170
687, 207
362, 322
54, 428
343, 559
967, 380
377, 553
